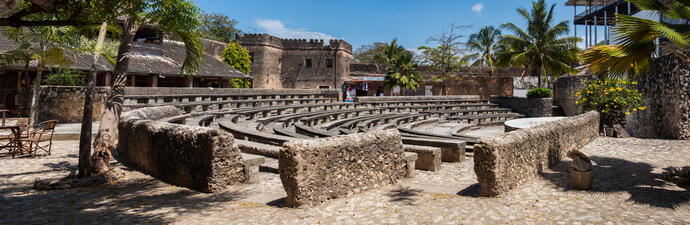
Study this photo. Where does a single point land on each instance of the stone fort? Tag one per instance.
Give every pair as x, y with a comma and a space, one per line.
297, 63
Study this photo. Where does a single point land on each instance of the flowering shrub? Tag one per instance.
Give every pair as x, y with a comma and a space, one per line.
613, 98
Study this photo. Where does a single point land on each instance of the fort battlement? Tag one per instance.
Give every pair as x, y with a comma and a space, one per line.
288, 44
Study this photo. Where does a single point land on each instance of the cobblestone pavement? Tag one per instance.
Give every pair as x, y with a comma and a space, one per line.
627, 190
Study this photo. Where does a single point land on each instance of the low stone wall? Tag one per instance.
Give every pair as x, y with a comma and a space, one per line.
665, 89
198, 158
509, 160
416, 98
537, 107
314, 171
66, 103
328, 93
567, 86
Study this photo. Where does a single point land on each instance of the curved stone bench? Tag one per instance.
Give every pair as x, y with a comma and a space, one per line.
486, 118
311, 132
285, 132
252, 134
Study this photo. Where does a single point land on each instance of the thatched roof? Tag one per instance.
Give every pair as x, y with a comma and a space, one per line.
155, 59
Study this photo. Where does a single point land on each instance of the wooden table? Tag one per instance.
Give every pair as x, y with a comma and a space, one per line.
16, 141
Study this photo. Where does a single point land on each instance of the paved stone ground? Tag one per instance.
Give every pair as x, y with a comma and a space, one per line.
627, 190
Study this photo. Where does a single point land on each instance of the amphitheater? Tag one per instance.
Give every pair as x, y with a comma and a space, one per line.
397, 135
262, 123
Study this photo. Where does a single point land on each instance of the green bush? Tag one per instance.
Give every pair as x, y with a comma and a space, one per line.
539, 93
66, 77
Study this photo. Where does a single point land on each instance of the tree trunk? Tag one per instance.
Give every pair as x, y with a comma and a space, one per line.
86, 122
33, 117
106, 137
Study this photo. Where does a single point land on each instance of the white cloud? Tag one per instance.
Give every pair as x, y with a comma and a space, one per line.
277, 28
478, 7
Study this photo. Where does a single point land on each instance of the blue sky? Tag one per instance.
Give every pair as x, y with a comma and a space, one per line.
363, 22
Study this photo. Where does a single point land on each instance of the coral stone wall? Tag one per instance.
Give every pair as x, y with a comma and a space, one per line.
537, 107
198, 158
509, 160
567, 86
416, 98
314, 171
665, 89
66, 103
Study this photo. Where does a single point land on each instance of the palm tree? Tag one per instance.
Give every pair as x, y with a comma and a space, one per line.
484, 43
403, 73
390, 52
543, 48
637, 39
179, 18
43, 44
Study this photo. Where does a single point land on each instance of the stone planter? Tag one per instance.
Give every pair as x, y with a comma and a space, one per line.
581, 180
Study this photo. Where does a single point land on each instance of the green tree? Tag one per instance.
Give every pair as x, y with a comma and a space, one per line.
484, 43
446, 58
237, 57
543, 48
219, 27
403, 74
372, 53
638, 39
241, 83
65, 76
46, 46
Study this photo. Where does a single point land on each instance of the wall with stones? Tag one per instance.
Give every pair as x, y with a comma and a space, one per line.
416, 98
538, 107
198, 158
314, 171
484, 86
511, 159
665, 89
567, 86
66, 103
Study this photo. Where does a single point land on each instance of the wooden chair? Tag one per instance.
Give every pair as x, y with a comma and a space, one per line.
39, 133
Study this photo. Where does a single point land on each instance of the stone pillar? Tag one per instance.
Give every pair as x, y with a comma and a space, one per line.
154, 81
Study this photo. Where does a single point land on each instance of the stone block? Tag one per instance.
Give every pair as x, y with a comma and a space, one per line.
429, 158
314, 171
198, 158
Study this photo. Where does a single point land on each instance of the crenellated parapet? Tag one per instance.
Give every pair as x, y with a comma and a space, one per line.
293, 44
260, 39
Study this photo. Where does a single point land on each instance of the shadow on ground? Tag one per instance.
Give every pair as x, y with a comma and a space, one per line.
132, 201
405, 195
614, 175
